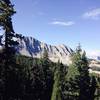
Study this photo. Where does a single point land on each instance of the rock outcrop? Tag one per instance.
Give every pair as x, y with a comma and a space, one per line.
33, 48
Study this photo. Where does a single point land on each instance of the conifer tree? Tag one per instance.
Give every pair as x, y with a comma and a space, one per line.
71, 88
58, 82
9, 76
48, 76
84, 78
34, 83
79, 81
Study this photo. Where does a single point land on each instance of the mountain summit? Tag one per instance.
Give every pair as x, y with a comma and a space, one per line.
31, 47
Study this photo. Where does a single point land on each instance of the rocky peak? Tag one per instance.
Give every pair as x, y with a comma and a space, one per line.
31, 47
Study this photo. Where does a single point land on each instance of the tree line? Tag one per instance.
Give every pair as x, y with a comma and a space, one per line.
23, 78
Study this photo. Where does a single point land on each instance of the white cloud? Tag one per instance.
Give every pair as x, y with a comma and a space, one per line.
93, 54
61, 23
93, 14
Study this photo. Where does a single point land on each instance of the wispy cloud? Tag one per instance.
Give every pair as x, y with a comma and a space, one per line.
93, 54
62, 23
93, 14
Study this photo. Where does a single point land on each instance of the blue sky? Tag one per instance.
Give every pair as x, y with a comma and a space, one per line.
66, 22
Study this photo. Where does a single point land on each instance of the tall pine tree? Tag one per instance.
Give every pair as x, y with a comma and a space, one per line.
10, 76
79, 81
48, 75
57, 92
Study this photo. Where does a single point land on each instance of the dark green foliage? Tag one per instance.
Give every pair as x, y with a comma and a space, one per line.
24, 78
32, 79
34, 84
10, 71
59, 76
39, 77
77, 84
48, 75
71, 90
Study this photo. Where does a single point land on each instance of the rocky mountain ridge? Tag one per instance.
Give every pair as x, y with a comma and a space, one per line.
31, 47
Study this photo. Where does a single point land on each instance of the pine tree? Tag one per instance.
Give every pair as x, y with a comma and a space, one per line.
10, 74
84, 78
81, 63
71, 88
48, 76
34, 83
58, 82
79, 80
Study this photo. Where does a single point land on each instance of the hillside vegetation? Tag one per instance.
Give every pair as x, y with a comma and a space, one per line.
24, 78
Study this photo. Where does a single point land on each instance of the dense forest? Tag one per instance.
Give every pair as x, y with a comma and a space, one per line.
26, 78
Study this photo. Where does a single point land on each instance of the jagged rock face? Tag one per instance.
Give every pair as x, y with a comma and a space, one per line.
31, 47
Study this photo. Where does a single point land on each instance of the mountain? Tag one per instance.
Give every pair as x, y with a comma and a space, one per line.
31, 47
